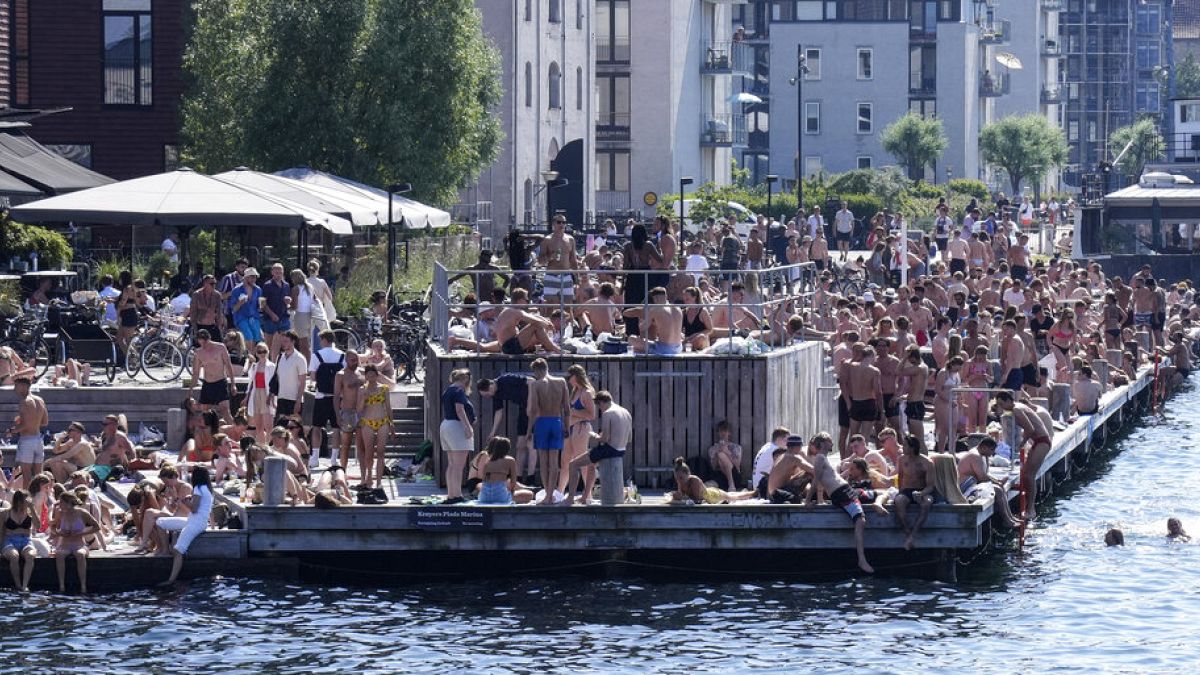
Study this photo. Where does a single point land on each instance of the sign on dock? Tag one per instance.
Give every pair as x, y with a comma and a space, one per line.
450, 519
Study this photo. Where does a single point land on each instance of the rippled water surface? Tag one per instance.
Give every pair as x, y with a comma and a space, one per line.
1067, 602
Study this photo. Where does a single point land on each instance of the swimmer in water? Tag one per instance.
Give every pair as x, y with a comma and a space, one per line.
1114, 537
1175, 531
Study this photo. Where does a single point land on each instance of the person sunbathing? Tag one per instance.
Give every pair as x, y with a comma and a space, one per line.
688, 486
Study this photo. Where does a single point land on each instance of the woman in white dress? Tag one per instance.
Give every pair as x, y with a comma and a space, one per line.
201, 503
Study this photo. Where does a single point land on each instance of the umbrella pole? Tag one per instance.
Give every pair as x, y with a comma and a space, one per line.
217, 251
132, 247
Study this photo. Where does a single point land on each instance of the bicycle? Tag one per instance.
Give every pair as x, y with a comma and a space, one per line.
24, 335
162, 351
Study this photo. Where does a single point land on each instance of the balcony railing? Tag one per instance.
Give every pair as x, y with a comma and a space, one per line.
723, 130
727, 58
922, 86
612, 50
613, 203
1184, 146
993, 85
1052, 5
996, 33
1052, 95
612, 126
1051, 48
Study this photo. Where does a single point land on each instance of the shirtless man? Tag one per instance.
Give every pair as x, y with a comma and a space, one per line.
32, 418
1030, 376
915, 480
557, 252
844, 353
978, 252
788, 481
973, 475
913, 368
548, 399
72, 452
1181, 358
514, 339
115, 448
1035, 432
214, 374
1012, 357
889, 367
1144, 305
347, 385
1018, 258
862, 392
958, 250
744, 319
1158, 318
1086, 392
857, 449
600, 312
827, 480
664, 326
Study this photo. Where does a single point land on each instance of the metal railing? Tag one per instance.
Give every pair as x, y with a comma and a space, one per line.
1052, 95
612, 126
723, 129
613, 201
996, 33
777, 299
1184, 146
727, 57
612, 49
993, 84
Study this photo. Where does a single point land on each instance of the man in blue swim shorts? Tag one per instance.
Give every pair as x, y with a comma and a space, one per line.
548, 399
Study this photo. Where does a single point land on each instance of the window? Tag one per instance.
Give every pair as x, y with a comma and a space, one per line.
20, 51
579, 88
1147, 55
528, 84
528, 215
922, 69
555, 13
81, 154
812, 59
529, 10
578, 14
864, 118
1146, 97
1148, 19
612, 170
926, 108
812, 117
1073, 131
554, 79
808, 10
812, 166
866, 58
949, 10
864, 161
612, 31
613, 98
170, 157
128, 66
1189, 112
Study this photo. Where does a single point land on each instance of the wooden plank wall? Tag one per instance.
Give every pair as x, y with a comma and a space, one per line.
675, 402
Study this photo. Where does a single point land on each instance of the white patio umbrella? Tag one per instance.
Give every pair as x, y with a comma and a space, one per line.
745, 97
358, 210
413, 213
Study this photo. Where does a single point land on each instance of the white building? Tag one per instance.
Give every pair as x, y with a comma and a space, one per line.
1184, 143
664, 77
548, 74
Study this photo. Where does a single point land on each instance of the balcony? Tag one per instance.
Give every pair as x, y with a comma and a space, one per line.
1052, 95
610, 50
995, 33
1052, 5
727, 58
991, 86
922, 86
613, 204
723, 130
612, 126
1184, 146
1051, 48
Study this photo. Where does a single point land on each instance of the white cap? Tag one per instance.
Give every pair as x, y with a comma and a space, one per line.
868, 297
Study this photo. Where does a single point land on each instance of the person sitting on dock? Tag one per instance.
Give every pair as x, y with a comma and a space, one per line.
72, 451
725, 456
825, 479
512, 388
789, 480
548, 400
199, 503
975, 479
689, 487
499, 475
915, 480
875, 459
1035, 431
71, 527
663, 326
765, 458
513, 338
1085, 392
1180, 353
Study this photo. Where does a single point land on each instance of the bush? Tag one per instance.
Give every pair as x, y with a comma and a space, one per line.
971, 188
52, 248
923, 190
369, 272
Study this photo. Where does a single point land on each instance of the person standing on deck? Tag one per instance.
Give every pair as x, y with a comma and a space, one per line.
914, 370
548, 399
843, 229
1036, 434
615, 428
862, 393
512, 388
214, 372
557, 252
31, 420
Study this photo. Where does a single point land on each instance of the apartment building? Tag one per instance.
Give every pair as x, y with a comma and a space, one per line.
665, 72
547, 113
869, 62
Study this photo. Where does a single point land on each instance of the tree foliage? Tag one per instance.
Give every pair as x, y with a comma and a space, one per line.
1145, 145
915, 142
20, 240
1025, 147
1187, 77
381, 91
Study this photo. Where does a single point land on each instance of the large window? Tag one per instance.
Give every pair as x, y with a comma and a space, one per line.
812, 166
812, 117
555, 13
922, 69
865, 116
612, 170
924, 107
554, 80
1146, 97
812, 59
1147, 55
612, 31
1148, 19
866, 63
528, 84
864, 161
128, 66
613, 97
1189, 112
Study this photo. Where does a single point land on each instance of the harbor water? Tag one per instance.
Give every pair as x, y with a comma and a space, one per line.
1066, 602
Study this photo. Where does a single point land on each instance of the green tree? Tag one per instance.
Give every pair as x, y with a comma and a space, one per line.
915, 142
380, 91
1187, 77
1025, 147
1145, 145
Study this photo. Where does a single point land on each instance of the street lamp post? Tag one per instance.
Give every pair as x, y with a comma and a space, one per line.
798, 81
392, 190
551, 179
771, 179
684, 181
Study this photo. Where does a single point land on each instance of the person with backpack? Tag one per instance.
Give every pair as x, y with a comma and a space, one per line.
324, 366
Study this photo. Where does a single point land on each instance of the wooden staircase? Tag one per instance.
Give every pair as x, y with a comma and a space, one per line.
409, 425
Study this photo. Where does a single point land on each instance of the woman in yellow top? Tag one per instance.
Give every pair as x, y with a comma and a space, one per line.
689, 486
375, 411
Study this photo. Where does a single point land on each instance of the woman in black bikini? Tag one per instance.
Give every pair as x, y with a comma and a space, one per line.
127, 312
637, 255
1114, 318
697, 321
18, 527
1062, 338
582, 414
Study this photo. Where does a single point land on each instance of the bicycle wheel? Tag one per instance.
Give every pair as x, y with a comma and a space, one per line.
405, 370
162, 361
133, 359
346, 339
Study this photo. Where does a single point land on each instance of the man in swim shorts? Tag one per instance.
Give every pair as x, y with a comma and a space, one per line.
662, 319
1039, 438
32, 419
826, 479
214, 373
548, 399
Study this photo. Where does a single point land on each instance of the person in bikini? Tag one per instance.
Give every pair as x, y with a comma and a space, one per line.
548, 401
215, 374
581, 415
12, 367
1062, 338
1113, 318
375, 414
977, 374
1034, 431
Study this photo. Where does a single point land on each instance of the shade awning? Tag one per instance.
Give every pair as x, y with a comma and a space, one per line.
33, 163
414, 214
360, 212
182, 198
11, 186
